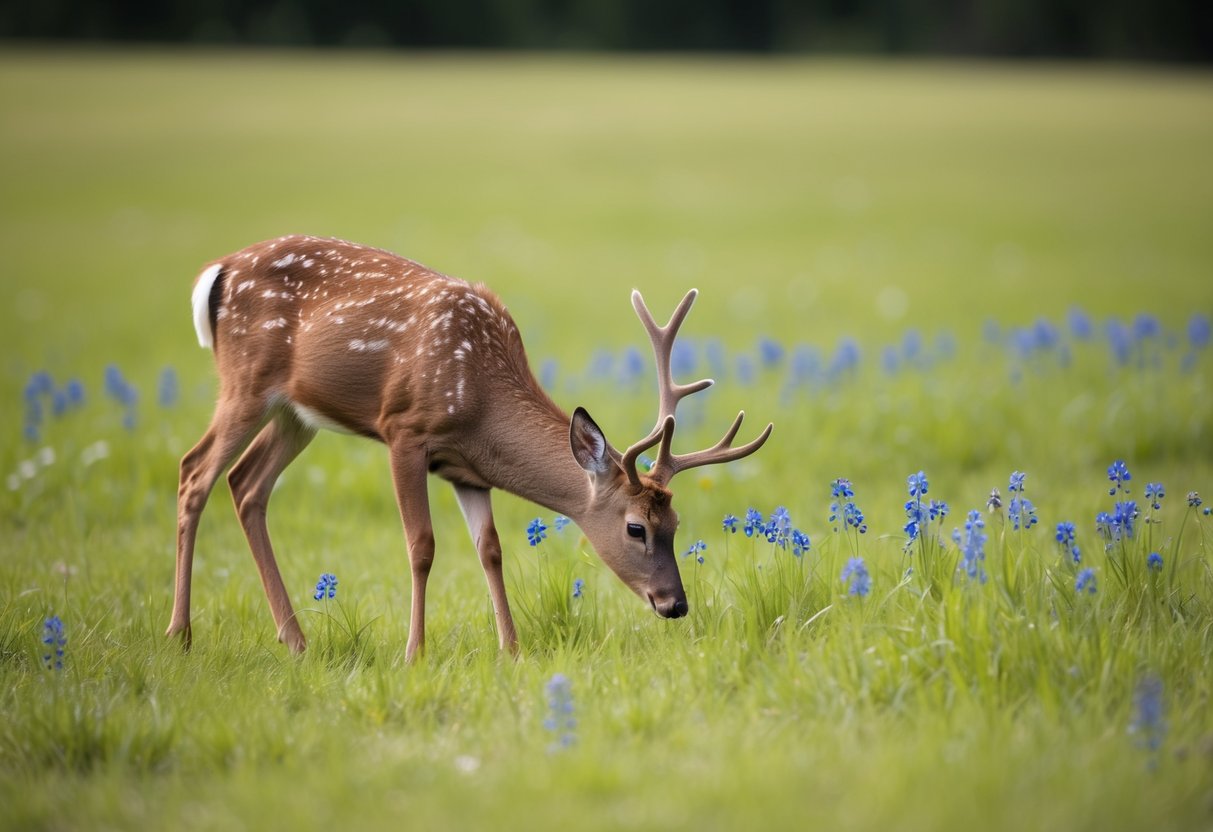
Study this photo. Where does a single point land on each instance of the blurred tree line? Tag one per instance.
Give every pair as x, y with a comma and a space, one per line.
1178, 30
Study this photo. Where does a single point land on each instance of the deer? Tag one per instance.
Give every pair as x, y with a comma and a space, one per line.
313, 333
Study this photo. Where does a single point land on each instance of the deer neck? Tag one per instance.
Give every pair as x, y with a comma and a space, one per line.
532, 458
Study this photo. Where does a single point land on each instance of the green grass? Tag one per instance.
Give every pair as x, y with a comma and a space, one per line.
808, 201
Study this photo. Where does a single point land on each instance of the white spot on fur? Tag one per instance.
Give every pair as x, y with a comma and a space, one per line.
283, 262
277, 323
358, 345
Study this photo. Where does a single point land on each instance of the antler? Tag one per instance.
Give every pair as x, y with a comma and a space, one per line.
670, 393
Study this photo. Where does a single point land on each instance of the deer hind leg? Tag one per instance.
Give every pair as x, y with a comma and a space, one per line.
234, 423
477, 507
409, 475
251, 480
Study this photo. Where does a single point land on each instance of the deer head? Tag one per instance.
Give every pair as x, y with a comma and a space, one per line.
630, 518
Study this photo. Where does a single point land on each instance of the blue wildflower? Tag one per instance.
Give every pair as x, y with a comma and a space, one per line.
753, 522
1080, 324
1118, 474
559, 522
646, 462
1085, 582
74, 389
696, 549
937, 510
55, 640
1149, 723
778, 528
1016, 486
631, 369
1154, 493
1154, 562
168, 388
536, 531
1124, 514
770, 352
578, 587
1022, 513
1146, 325
855, 576
326, 587
800, 542
841, 489
1066, 537
972, 546
917, 484
1198, 331
560, 720
729, 524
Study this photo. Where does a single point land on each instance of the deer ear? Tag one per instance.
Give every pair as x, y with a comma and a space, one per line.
590, 447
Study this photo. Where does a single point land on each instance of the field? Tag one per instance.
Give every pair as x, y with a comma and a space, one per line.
969, 270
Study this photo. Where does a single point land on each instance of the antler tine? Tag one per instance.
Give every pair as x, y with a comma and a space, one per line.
662, 338
668, 464
669, 391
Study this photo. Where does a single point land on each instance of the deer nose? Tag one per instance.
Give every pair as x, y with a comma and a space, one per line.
671, 607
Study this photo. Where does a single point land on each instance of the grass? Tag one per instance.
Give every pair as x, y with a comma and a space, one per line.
809, 201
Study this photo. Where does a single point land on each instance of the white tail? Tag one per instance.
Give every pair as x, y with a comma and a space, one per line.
311, 333
200, 300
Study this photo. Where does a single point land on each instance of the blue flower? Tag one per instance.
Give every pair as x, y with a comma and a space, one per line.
729, 524
1193, 499
1149, 722
937, 509
1066, 537
1080, 324
696, 549
1198, 331
560, 720
779, 527
536, 532
1123, 515
56, 643
855, 576
1016, 485
1154, 493
753, 522
972, 546
1085, 582
578, 586
1154, 562
917, 484
1022, 513
74, 390
844, 505
559, 522
770, 352
800, 542
168, 389
326, 587
1118, 474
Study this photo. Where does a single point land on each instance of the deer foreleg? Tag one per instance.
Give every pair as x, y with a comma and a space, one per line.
477, 507
409, 473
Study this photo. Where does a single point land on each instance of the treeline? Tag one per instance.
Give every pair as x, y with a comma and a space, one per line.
1174, 30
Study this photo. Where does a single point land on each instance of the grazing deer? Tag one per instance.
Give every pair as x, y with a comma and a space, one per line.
313, 333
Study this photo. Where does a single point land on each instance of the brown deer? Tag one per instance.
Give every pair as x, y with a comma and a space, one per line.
313, 333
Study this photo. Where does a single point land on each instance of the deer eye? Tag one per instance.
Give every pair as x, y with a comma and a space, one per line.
636, 530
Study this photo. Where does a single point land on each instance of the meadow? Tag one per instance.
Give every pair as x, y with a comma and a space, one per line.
969, 270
